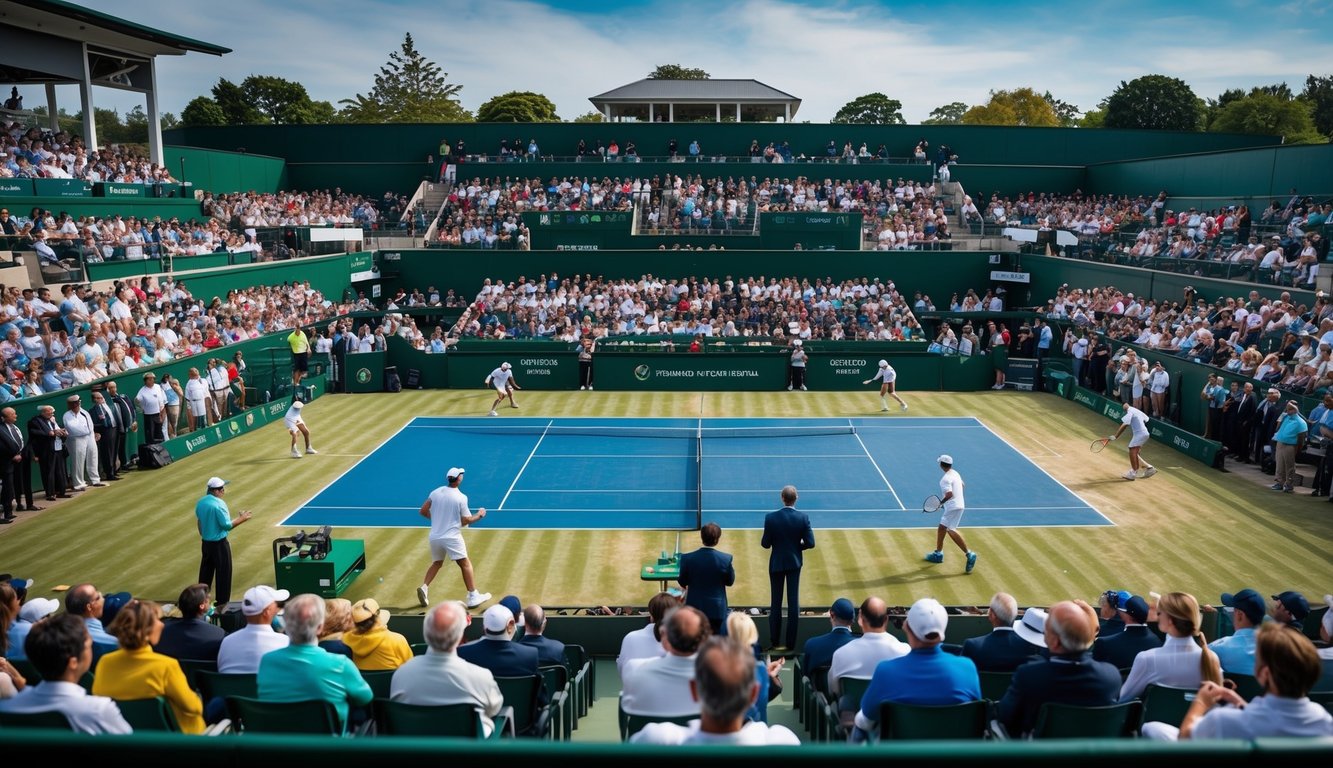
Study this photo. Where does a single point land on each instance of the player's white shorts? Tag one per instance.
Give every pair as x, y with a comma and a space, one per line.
1137, 441
501, 391
291, 424
447, 549
198, 408
951, 518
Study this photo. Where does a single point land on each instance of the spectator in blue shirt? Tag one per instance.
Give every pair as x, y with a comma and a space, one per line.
1287, 443
926, 676
1236, 651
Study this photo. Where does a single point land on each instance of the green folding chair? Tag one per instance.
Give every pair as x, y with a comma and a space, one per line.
556, 678
994, 684
1066, 721
1166, 704
52, 720
947, 722
1246, 685
396, 718
152, 714
251, 715
523, 694
379, 680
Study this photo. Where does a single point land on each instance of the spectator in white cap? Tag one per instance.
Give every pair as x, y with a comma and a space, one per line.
926, 676
33, 611
951, 502
502, 381
241, 651
447, 511
295, 424
214, 520
495, 651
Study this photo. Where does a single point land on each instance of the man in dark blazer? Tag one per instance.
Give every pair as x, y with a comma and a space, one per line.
1004, 649
1264, 424
46, 437
1069, 676
1120, 649
787, 532
13, 447
106, 426
549, 650
817, 652
192, 636
127, 419
705, 574
495, 651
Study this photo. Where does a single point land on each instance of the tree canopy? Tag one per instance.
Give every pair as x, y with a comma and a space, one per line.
518, 107
676, 72
408, 89
1154, 102
589, 117
258, 99
1022, 106
1266, 112
871, 109
1319, 94
203, 111
949, 114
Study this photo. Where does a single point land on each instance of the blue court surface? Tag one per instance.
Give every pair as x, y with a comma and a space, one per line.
655, 474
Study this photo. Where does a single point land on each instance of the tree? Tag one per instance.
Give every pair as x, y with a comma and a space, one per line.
589, 117
1154, 102
1065, 112
1093, 118
1018, 107
871, 109
408, 89
1319, 94
235, 104
202, 111
518, 107
949, 114
677, 72
282, 102
1266, 113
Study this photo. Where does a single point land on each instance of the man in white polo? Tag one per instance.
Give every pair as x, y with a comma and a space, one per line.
1137, 422
448, 513
294, 423
502, 381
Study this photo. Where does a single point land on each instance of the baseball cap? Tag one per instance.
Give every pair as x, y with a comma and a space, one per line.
39, 608
883, 363
496, 619
1032, 627
512, 603
505, 366
928, 619
216, 482
1248, 602
111, 605
1136, 607
261, 597
369, 607
944, 459
842, 609
454, 472
1295, 603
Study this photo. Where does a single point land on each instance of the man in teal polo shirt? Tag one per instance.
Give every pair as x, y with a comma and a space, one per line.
303, 671
1287, 443
215, 521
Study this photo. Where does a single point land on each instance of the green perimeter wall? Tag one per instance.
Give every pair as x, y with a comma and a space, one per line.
1248, 173
215, 170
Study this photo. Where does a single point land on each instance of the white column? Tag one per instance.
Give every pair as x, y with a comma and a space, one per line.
606, 112
154, 120
671, 112
738, 111
52, 115
86, 103
718, 109
651, 107
786, 112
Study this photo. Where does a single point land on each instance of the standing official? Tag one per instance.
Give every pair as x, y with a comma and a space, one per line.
706, 573
215, 522
128, 419
153, 402
788, 534
105, 427
300, 345
15, 461
48, 448
82, 446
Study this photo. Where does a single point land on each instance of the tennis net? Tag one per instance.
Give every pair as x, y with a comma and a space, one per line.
699, 477
683, 433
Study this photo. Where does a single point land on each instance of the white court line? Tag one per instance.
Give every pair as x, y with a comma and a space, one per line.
330, 484
673, 509
1048, 474
524, 467
688, 490
887, 484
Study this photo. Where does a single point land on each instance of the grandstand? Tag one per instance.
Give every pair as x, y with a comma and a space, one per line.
247, 246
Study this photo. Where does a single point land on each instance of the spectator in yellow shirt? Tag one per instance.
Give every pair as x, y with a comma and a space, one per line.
136, 671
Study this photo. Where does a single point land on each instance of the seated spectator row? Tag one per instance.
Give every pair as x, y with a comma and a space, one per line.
519, 150
36, 153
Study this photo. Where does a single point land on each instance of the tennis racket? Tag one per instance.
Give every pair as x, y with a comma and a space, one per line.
1098, 444
931, 504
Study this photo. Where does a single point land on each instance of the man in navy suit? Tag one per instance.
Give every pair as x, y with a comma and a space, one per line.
549, 651
494, 651
706, 573
1121, 648
818, 651
1069, 676
787, 532
1003, 650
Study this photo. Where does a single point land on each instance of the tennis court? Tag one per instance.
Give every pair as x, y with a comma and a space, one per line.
669, 473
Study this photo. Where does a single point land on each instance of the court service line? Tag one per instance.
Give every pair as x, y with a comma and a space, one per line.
525, 465
887, 484
1042, 470
349, 470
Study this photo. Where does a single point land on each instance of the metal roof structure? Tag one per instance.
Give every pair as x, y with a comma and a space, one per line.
671, 100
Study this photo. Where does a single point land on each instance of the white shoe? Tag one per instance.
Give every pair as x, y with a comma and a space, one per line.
803, 389
1150, 471
311, 450
296, 454
885, 408
493, 413
589, 387
421, 596
1130, 475
475, 599
583, 389
904, 406
788, 387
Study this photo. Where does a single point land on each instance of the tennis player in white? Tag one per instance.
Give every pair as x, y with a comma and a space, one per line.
1137, 421
294, 423
502, 381
447, 511
887, 375
951, 497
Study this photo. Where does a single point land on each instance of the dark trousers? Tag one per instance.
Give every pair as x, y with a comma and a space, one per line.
1323, 479
122, 449
106, 453
215, 561
797, 376
7, 493
776, 581
1213, 427
23, 481
54, 476
585, 373
153, 424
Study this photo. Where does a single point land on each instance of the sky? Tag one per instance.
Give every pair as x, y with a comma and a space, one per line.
924, 54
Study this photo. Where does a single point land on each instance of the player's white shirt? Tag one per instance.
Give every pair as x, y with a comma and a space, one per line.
1137, 421
293, 417
886, 374
952, 481
447, 508
500, 378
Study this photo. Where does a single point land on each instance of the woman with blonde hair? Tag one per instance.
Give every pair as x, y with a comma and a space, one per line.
337, 620
136, 671
742, 631
1184, 660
